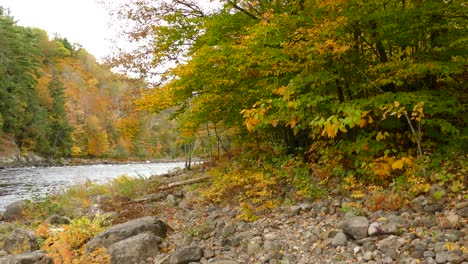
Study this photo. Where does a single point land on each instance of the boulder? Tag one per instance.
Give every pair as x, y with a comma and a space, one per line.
58, 220
20, 241
14, 211
186, 255
356, 227
134, 249
37, 257
126, 230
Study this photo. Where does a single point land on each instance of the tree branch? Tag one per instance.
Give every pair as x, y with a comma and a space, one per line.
242, 10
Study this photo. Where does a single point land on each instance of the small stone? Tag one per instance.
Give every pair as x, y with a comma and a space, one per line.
254, 247
452, 236
269, 236
340, 239
387, 260
396, 219
367, 255
306, 206
430, 260
463, 212
417, 254
208, 253
454, 258
432, 208
374, 229
388, 244
58, 220
461, 205
441, 257
419, 203
453, 220
429, 221
295, 210
356, 250
418, 244
429, 254
186, 255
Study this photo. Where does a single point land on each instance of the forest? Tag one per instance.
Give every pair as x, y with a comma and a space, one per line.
348, 89
56, 100
296, 92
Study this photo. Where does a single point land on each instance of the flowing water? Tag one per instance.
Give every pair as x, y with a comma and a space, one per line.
26, 183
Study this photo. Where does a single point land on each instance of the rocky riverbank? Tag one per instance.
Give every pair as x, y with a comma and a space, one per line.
187, 229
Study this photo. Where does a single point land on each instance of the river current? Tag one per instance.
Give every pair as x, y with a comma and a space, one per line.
30, 182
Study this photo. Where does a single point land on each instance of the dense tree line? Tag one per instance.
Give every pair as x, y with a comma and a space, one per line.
57, 101
361, 87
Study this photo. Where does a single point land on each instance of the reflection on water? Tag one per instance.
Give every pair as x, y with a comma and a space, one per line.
24, 183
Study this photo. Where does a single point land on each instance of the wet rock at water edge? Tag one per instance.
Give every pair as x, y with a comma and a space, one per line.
14, 211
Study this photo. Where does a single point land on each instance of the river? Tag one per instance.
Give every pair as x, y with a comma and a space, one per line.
25, 183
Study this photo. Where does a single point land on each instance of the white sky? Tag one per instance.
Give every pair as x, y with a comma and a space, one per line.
80, 21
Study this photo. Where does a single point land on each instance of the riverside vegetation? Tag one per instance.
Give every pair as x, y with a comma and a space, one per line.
203, 223
333, 132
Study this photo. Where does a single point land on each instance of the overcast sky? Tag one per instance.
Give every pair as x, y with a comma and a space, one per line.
80, 21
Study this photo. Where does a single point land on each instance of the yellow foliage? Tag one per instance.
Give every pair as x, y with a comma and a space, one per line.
418, 185
253, 117
358, 194
250, 187
350, 183
418, 112
330, 129
66, 246
384, 166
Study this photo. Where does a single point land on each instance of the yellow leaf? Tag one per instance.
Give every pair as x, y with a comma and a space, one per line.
274, 123
292, 123
357, 194
362, 123
343, 129
450, 246
380, 136
330, 130
397, 164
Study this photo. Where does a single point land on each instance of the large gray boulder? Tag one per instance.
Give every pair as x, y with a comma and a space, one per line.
27, 258
126, 230
356, 227
19, 241
14, 211
186, 255
134, 249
